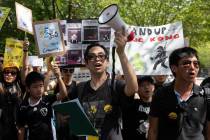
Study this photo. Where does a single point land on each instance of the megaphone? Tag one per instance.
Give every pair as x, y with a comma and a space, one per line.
111, 17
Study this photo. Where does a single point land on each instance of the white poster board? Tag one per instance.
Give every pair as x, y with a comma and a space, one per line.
48, 38
35, 61
24, 18
148, 53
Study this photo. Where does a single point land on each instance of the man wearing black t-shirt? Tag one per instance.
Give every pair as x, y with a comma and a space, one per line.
100, 102
179, 111
36, 112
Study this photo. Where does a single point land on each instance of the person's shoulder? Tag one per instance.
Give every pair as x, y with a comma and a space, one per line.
165, 88
165, 92
24, 104
206, 82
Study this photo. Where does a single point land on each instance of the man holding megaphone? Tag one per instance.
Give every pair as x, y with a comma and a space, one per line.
100, 98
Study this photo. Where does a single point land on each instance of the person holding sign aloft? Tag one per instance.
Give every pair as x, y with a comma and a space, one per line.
100, 102
35, 111
11, 94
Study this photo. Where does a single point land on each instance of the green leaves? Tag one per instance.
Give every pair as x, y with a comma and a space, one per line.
194, 14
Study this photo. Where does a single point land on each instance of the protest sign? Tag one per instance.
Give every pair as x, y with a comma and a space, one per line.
24, 18
78, 34
4, 11
13, 53
35, 61
149, 52
48, 38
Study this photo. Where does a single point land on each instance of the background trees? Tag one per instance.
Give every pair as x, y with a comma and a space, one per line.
195, 15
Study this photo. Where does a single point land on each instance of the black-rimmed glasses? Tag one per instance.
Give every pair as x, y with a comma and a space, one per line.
93, 57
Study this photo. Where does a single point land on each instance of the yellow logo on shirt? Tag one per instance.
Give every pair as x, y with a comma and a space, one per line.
172, 115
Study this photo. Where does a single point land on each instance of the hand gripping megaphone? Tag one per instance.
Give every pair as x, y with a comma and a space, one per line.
111, 17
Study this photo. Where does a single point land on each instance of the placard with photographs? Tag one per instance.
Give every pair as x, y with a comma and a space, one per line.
79, 34
48, 38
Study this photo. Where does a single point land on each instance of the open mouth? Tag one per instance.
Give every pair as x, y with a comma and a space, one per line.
98, 65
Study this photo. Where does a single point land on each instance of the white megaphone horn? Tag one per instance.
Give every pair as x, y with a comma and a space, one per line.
111, 17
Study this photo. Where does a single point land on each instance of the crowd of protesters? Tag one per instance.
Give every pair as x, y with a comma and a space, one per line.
139, 107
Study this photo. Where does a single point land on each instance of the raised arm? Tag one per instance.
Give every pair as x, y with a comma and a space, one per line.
25, 68
62, 88
130, 77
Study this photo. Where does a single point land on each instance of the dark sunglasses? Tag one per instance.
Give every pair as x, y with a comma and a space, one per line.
67, 70
187, 64
10, 72
92, 57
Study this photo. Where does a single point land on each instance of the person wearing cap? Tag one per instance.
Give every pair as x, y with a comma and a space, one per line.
11, 93
136, 110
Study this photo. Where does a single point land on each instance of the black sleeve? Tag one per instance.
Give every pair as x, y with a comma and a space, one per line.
155, 108
72, 91
119, 87
51, 98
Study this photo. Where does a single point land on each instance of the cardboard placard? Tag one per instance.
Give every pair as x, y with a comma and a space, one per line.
24, 18
13, 53
48, 38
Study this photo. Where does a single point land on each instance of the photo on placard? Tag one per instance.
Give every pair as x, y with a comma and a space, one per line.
105, 34
90, 33
74, 57
61, 60
63, 26
74, 35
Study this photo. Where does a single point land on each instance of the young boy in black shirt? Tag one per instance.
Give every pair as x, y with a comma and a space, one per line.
36, 112
135, 112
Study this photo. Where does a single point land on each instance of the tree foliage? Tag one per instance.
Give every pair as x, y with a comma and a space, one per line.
194, 14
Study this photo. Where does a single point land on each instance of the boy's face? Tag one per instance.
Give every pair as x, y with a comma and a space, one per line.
36, 89
146, 89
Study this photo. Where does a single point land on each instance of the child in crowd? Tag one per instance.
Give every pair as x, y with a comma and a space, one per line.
136, 110
35, 111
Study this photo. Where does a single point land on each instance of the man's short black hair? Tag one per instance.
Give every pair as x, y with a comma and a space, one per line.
33, 77
142, 79
94, 45
178, 54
